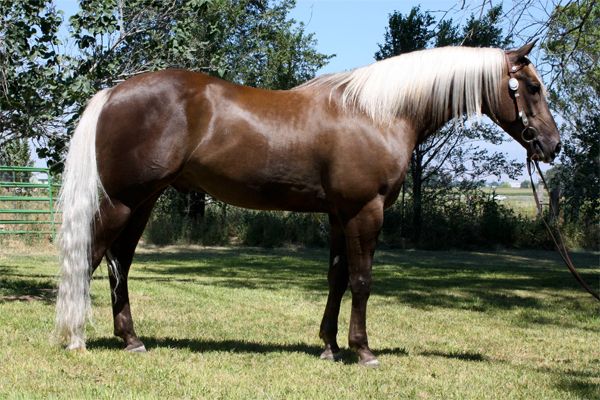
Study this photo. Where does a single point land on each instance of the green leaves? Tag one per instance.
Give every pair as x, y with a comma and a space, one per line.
260, 46
419, 30
485, 31
44, 85
406, 33
29, 69
572, 48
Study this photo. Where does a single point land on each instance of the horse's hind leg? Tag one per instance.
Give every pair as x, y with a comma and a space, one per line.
119, 257
110, 221
337, 278
117, 230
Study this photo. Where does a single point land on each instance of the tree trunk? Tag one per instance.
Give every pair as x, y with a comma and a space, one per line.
417, 186
196, 205
554, 203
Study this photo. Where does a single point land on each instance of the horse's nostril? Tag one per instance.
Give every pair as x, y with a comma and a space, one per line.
557, 148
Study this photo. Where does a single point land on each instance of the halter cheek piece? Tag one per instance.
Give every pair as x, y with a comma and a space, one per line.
529, 133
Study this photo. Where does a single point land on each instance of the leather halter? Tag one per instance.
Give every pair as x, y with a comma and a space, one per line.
529, 134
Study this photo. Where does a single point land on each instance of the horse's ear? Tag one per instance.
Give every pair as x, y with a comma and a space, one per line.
519, 55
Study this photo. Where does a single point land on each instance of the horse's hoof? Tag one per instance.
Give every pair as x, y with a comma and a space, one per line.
329, 355
372, 363
76, 344
136, 348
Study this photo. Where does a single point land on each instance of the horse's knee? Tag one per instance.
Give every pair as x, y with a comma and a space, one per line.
360, 285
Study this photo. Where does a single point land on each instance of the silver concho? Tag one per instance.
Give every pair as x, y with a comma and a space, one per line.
513, 84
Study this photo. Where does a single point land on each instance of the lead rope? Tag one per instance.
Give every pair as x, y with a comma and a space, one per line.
558, 238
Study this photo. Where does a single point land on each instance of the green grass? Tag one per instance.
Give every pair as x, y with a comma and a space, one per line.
242, 323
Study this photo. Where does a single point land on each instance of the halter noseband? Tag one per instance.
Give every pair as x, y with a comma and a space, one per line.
529, 134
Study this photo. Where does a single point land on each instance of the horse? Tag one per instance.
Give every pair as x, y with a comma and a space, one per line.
338, 144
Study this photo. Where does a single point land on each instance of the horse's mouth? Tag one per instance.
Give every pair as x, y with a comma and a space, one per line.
539, 154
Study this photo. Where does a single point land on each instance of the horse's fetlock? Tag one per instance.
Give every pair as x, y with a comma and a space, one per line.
358, 342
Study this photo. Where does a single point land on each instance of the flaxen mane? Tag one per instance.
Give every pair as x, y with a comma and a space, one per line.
440, 83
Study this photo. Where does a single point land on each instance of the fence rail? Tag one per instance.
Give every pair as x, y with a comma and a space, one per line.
31, 186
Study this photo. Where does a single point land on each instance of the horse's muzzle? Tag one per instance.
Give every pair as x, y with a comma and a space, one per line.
542, 152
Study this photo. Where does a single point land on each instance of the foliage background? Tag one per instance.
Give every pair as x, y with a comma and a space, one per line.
43, 88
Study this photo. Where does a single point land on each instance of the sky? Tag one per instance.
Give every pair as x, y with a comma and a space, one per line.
352, 29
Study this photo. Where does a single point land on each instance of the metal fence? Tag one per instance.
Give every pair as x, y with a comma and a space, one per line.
27, 197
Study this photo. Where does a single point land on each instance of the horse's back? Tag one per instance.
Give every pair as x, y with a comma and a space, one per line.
255, 148
201, 133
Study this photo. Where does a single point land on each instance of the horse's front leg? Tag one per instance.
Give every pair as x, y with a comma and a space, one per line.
361, 232
338, 283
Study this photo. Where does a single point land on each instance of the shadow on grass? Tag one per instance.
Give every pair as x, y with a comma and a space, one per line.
25, 288
235, 346
581, 383
584, 389
534, 281
475, 281
464, 356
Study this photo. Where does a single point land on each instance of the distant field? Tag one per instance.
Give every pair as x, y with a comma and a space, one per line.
520, 200
242, 323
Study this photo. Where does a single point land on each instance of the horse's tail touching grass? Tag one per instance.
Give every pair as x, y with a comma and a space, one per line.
79, 202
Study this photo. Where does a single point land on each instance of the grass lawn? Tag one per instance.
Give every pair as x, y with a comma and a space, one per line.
243, 323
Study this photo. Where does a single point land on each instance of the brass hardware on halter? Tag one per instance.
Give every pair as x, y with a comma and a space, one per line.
529, 134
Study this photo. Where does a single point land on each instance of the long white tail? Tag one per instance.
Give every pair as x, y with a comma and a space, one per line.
78, 201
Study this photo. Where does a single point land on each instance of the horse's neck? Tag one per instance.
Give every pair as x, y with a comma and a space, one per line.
426, 125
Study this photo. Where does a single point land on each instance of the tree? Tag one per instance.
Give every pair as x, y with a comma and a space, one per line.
16, 152
450, 156
30, 70
485, 31
261, 47
578, 174
250, 42
410, 33
573, 50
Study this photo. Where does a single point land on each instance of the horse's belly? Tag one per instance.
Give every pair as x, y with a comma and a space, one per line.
251, 189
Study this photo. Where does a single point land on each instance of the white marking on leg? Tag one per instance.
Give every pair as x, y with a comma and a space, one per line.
114, 270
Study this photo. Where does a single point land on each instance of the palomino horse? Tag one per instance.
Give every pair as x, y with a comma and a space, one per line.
339, 144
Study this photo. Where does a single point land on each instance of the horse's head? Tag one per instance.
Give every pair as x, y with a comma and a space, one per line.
523, 111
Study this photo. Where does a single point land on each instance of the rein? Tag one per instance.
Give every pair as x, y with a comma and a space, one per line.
557, 238
529, 135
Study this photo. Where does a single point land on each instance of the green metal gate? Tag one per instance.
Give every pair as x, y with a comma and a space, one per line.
27, 200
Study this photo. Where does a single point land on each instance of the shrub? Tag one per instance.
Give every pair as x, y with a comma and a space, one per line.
472, 220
